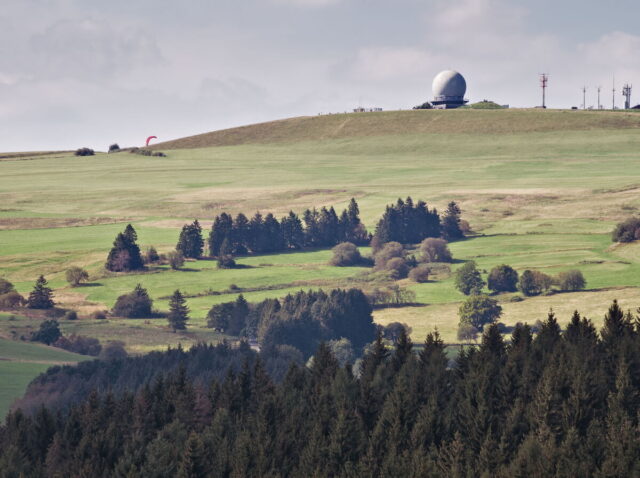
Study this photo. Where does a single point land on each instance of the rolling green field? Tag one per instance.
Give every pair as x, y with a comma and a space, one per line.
543, 189
20, 362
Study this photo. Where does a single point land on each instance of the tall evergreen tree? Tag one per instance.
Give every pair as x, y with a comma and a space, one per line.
190, 243
178, 311
41, 297
125, 254
451, 229
221, 229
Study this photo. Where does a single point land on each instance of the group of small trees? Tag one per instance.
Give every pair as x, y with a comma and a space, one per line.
138, 305
266, 234
504, 278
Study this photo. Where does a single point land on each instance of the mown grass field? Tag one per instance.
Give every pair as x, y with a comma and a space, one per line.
542, 188
20, 362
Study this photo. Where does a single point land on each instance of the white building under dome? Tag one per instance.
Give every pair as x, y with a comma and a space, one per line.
449, 88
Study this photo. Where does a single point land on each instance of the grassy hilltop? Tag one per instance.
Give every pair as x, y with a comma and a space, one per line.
543, 187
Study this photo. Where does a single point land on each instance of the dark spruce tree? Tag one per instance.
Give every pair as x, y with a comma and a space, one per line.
451, 230
225, 256
125, 254
221, 229
178, 311
190, 243
41, 297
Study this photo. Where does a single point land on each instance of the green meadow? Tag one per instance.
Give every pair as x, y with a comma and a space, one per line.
541, 190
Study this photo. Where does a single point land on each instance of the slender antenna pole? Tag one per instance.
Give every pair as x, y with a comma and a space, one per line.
613, 102
544, 78
584, 97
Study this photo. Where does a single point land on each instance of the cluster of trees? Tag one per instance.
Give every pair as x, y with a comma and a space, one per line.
627, 231
323, 228
554, 405
49, 333
137, 304
407, 223
125, 255
302, 320
504, 278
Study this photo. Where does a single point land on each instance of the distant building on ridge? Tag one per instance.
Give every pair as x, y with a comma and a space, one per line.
449, 88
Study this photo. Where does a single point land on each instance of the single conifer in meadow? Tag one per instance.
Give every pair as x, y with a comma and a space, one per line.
178, 311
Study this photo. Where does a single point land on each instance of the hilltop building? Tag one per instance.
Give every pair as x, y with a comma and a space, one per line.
449, 88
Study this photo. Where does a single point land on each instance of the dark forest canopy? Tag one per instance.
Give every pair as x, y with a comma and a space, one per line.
265, 234
300, 320
557, 404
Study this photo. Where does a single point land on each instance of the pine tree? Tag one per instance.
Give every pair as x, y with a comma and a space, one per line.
41, 297
178, 312
225, 257
451, 230
190, 243
125, 254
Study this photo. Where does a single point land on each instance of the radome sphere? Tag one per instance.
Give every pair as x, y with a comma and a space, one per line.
449, 83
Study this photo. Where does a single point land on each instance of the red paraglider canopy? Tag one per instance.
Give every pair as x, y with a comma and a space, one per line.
150, 138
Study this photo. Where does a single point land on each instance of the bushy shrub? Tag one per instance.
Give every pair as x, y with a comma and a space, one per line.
151, 256
71, 315
434, 250
345, 254
389, 251
114, 148
84, 152
79, 344
76, 275
534, 283
48, 332
176, 259
571, 280
135, 305
393, 330
419, 273
467, 332
468, 279
627, 231
479, 310
503, 278
11, 300
6, 286
99, 315
397, 268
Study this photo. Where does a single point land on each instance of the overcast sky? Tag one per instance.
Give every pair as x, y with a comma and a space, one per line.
91, 72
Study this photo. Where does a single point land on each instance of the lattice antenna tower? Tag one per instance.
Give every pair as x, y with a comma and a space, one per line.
626, 92
544, 79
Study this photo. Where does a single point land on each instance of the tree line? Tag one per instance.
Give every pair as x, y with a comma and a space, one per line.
553, 404
300, 320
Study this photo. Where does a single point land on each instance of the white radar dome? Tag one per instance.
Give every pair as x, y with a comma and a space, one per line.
449, 84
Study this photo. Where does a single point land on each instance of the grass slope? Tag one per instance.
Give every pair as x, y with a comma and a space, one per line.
20, 362
391, 123
544, 187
